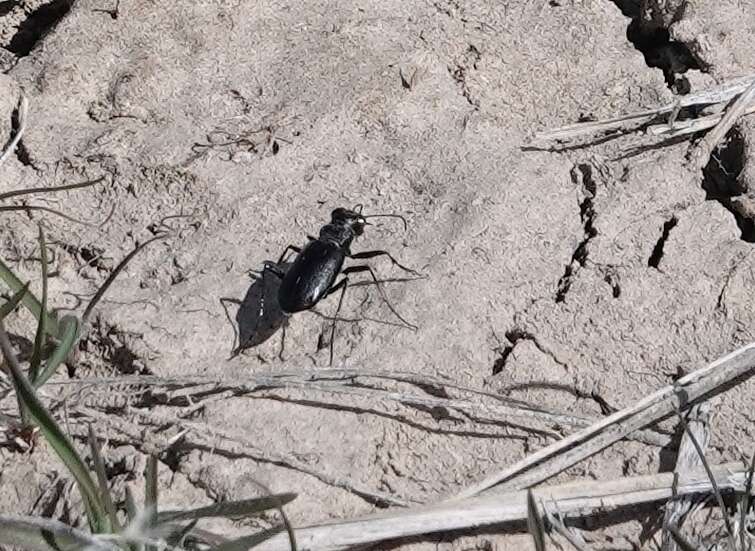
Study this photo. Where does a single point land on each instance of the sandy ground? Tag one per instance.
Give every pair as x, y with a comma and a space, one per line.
580, 279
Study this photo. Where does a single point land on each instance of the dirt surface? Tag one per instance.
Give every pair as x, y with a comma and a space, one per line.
580, 279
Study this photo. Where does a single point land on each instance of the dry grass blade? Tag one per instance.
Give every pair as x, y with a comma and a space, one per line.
714, 485
719, 94
23, 109
220, 442
575, 499
113, 275
692, 126
31, 208
343, 384
700, 153
560, 455
687, 459
535, 523
745, 503
557, 524
66, 187
679, 538
150, 496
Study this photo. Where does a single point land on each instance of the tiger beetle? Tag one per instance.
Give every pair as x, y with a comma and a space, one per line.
312, 275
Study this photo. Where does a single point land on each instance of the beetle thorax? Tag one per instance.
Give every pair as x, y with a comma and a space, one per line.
341, 234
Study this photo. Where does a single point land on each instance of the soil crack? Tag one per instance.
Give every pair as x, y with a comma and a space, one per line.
581, 174
722, 183
651, 38
39, 22
459, 73
657, 254
515, 336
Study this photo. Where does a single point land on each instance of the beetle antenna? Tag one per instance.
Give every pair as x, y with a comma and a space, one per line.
406, 226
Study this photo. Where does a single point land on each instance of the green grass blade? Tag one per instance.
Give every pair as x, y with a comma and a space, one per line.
39, 339
55, 437
41, 534
69, 333
99, 469
6, 309
29, 301
14, 301
229, 509
248, 542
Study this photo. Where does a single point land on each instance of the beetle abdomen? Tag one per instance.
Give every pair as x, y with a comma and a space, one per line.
310, 276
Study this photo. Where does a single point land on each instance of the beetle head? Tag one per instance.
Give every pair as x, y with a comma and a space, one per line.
346, 217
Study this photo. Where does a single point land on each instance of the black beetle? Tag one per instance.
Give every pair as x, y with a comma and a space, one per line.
312, 275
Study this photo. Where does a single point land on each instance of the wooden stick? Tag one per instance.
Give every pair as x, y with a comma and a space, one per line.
561, 455
574, 499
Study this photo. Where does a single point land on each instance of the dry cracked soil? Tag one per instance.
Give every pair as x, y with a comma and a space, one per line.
578, 279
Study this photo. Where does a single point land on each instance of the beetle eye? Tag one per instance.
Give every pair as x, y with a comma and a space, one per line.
338, 213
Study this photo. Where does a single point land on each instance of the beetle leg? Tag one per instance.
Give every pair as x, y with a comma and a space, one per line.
342, 286
283, 341
366, 268
373, 254
270, 267
294, 248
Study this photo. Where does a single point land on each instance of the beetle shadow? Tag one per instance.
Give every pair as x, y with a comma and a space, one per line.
259, 315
